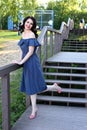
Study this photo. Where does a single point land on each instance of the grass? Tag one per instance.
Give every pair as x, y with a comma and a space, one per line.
17, 98
6, 35
17, 102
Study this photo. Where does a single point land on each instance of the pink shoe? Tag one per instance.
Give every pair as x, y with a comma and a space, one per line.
59, 89
33, 116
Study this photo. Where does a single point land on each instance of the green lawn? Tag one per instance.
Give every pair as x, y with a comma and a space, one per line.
6, 35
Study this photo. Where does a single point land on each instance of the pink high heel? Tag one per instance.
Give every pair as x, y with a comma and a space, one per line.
33, 116
59, 89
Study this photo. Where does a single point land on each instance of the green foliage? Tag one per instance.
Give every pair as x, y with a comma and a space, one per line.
6, 35
13, 7
64, 9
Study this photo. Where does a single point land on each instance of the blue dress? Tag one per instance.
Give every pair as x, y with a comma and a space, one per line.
32, 77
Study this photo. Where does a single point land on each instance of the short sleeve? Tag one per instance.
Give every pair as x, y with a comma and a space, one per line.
20, 43
33, 42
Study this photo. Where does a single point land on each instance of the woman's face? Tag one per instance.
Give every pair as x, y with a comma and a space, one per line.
28, 24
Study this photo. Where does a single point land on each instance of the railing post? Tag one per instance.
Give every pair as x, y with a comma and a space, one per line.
5, 85
45, 47
27, 101
51, 43
55, 43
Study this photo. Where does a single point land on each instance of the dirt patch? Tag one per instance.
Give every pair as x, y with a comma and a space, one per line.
10, 52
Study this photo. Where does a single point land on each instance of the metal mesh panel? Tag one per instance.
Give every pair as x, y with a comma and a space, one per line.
43, 17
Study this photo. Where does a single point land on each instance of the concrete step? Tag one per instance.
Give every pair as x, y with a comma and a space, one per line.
66, 82
65, 74
75, 46
64, 67
62, 99
73, 50
69, 47
72, 90
75, 40
75, 43
75, 58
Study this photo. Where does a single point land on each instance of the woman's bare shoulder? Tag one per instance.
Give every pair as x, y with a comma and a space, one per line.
32, 35
28, 35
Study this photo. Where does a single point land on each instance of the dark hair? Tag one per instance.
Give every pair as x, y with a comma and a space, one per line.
81, 21
33, 29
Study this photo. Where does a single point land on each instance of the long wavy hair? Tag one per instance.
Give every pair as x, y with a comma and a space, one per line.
33, 29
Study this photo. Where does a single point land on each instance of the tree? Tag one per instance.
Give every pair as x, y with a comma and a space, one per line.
13, 7
83, 5
63, 9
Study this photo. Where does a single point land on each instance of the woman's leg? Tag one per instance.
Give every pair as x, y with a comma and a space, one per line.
34, 106
34, 98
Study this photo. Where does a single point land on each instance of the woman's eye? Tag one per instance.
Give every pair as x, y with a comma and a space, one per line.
30, 23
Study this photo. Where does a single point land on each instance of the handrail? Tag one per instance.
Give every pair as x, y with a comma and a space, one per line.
8, 68
48, 38
45, 28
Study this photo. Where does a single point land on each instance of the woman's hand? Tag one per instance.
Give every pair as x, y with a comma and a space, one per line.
17, 62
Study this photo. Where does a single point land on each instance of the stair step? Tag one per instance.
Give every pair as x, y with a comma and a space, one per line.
75, 43
72, 90
61, 99
75, 47
64, 67
75, 40
70, 40
66, 82
65, 74
73, 50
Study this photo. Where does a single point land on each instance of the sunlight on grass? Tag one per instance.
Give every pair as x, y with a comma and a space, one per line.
6, 35
1, 46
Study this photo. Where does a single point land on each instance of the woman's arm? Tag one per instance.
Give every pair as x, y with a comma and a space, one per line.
27, 56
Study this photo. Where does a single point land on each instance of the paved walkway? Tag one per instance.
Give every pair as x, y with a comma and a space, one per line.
54, 118
9, 52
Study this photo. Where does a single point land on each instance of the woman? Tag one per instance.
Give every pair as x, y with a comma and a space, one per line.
32, 78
